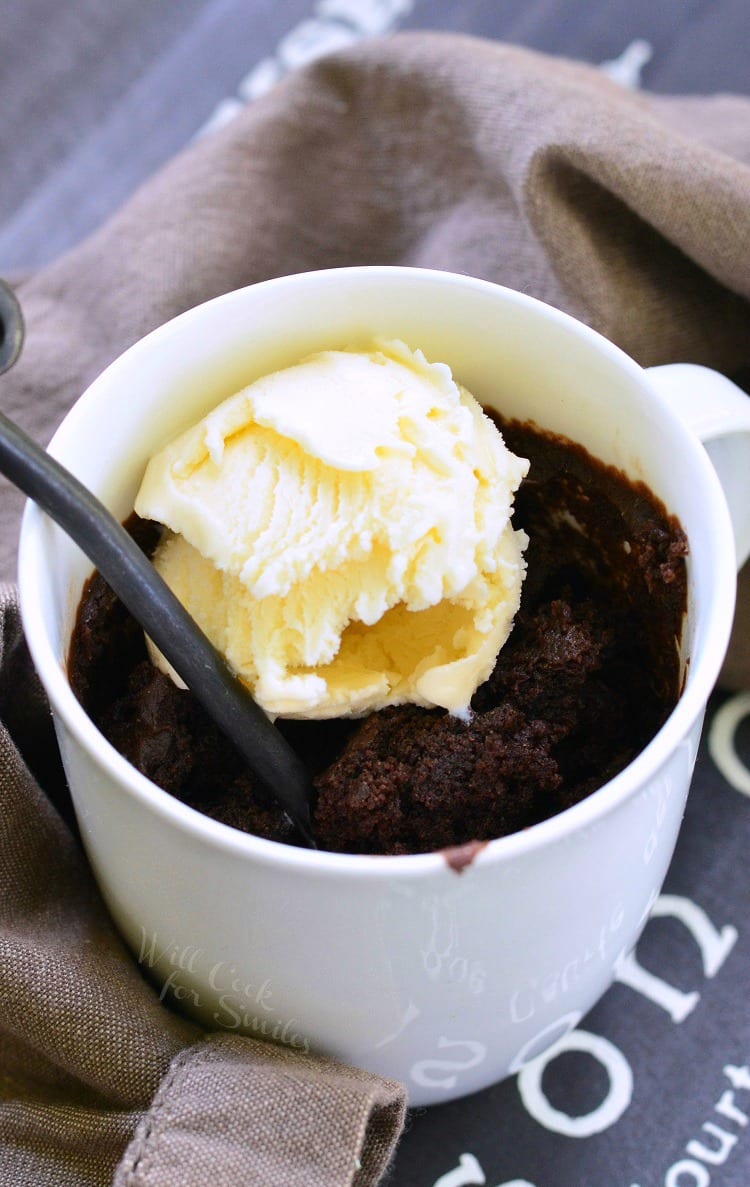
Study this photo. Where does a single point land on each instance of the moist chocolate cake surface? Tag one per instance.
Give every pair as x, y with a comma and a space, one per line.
589, 674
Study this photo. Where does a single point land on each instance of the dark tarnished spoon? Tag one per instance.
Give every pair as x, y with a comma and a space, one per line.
135, 581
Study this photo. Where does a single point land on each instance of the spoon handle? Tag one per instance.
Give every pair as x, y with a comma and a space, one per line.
138, 585
11, 327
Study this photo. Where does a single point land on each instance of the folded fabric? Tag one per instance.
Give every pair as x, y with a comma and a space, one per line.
630, 211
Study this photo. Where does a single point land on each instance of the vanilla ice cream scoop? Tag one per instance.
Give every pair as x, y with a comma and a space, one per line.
341, 530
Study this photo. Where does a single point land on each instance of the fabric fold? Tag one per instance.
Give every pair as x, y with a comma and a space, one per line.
306, 1120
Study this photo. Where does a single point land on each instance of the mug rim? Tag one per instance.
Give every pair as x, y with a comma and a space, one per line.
698, 680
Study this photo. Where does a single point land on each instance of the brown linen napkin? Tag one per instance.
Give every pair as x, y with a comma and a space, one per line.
630, 211
97, 1077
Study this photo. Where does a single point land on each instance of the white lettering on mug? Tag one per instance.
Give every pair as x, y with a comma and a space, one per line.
604, 1115
721, 741
407, 1017
422, 1072
441, 959
541, 990
522, 1005
441, 942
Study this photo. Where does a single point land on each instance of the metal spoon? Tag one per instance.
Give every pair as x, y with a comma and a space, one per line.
135, 581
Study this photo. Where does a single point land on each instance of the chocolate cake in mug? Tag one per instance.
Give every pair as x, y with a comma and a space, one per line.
589, 673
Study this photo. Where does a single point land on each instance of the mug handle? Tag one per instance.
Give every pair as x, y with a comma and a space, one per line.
718, 412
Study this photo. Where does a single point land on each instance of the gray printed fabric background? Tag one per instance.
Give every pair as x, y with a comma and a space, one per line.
653, 1088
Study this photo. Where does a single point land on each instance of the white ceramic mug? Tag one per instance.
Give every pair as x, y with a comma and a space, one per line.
445, 981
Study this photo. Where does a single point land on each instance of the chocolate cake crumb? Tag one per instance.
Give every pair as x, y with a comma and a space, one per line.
588, 675
459, 857
413, 780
